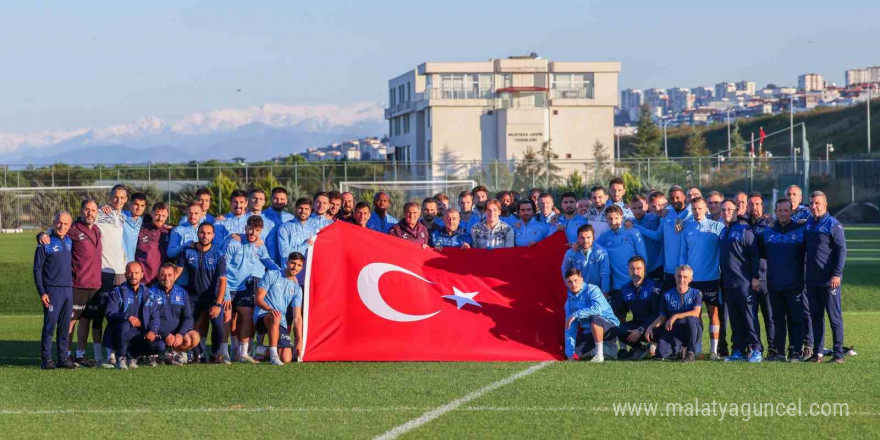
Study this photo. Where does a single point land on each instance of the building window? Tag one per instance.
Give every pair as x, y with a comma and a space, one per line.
428, 117
391, 127
429, 82
408, 92
572, 85
392, 97
430, 153
507, 80
406, 124
401, 98
466, 86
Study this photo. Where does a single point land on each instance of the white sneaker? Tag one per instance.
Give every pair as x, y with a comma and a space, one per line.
277, 361
121, 364
247, 359
597, 359
133, 363
182, 357
110, 363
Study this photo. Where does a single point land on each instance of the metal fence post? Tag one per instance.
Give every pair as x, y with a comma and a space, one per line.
53, 174
345, 170
649, 168
246, 176
197, 171
149, 171
323, 177
169, 186
295, 176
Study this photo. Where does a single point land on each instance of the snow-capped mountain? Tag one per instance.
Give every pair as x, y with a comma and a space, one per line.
253, 133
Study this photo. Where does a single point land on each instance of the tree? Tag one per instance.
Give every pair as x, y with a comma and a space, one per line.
646, 142
695, 145
574, 183
737, 143
221, 188
551, 171
601, 160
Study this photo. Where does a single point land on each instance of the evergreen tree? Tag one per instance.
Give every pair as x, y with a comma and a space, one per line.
601, 161
646, 142
695, 145
737, 143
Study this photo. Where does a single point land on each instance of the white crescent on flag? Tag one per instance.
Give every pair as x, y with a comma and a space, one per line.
368, 290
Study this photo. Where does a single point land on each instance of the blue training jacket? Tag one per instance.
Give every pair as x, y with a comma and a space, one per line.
699, 248
826, 250
739, 255
622, 245
784, 249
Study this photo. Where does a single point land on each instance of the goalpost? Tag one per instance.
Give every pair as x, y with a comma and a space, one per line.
35, 207
402, 192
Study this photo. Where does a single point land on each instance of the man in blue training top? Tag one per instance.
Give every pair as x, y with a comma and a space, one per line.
205, 266
700, 251
528, 231
246, 262
134, 219
596, 215
784, 250
739, 259
380, 219
184, 235
587, 308
646, 216
569, 220
759, 221
452, 234
277, 293
132, 320
546, 211
466, 210
203, 198
590, 258
232, 222
799, 212
680, 319
175, 317
297, 234
617, 195
278, 215
53, 276
826, 255
669, 233
621, 244
642, 297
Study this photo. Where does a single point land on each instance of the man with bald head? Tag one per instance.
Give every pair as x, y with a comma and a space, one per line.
53, 276
799, 212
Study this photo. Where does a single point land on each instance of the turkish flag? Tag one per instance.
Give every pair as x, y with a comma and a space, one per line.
373, 297
762, 136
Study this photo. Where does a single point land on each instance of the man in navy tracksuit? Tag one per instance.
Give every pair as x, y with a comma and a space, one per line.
740, 258
826, 255
642, 297
54, 279
175, 317
205, 266
132, 320
784, 250
758, 221
680, 317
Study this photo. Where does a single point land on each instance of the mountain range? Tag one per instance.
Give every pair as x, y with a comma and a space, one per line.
254, 133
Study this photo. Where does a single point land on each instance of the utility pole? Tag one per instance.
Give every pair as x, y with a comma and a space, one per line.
870, 86
791, 129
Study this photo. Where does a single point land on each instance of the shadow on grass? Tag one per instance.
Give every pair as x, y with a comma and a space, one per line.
20, 353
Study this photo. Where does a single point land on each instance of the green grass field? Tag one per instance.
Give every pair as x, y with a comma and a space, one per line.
363, 400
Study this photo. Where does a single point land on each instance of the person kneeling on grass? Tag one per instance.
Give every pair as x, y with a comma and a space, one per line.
588, 309
680, 312
175, 317
132, 320
277, 292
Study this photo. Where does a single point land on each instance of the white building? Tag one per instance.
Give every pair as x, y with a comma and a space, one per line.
657, 100
499, 109
630, 102
746, 86
857, 76
702, 94
680, 99
725, 90
811, 82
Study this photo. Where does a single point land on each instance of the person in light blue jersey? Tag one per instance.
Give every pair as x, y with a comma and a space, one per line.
569, 220
246, 262
547, 213
590, 258
508, 209
586, 308
678, 329
321, 208
203, 198
380, 219
621, 244
278, 215
184, 235
297, 235
669, 233
232, 223
466, 210
277, 293
713, 202
134, 219
596, 215
452, 234
256, 202
651, 220
700, 251
527, 231
617, 197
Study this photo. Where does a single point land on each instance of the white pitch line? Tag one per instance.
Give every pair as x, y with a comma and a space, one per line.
439, 411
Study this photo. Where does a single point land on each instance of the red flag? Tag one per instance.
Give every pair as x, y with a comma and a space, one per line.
762, 136
372, 297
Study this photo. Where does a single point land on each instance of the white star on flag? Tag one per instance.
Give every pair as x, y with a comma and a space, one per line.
461, 298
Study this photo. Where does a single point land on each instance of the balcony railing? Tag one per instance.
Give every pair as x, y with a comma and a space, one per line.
572, 93
459, 93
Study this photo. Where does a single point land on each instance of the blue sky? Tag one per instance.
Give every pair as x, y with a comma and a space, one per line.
75, 64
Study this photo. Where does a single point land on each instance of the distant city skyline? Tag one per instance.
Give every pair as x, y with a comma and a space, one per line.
72, 65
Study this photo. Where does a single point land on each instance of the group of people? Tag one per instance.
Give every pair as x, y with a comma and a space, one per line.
161, 288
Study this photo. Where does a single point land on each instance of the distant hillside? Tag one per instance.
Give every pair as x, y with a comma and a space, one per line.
846, 128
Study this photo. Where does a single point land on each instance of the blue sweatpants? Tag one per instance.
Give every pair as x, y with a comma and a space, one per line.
765, 305
788, 314
56, 318
685, 333
742, 308
825, 299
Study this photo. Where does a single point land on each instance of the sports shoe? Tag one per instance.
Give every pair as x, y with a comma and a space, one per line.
736, 356
639, 354
597, 359
121, 363
850, 351
68, 363
47, 365
756, 356
154, 360
816, 358
277, 361
689, 357
794, 359
714, 357
221, 359
84, 362
247, 359
808, 353
182, 358
837, 359
133, 363
776, 358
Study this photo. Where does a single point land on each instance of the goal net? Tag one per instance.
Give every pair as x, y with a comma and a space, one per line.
402, 192
34, 208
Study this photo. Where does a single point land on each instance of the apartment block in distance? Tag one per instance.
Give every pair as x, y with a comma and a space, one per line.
498, 110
